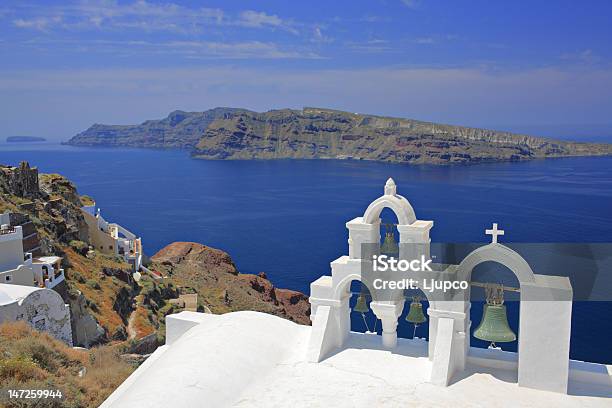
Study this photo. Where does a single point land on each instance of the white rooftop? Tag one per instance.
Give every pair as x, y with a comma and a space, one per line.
250, 359
46, 259
15, 293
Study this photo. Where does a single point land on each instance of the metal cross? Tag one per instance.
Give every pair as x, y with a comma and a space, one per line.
494, 233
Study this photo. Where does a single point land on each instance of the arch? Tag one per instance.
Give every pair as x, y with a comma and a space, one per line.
497, 253
507, 257
346, 281
398, 204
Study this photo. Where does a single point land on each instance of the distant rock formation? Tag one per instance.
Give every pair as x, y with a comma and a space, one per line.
25, 139
213, 275
179, 130
314, 133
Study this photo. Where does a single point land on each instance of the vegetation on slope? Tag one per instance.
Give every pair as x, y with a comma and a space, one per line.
32, 360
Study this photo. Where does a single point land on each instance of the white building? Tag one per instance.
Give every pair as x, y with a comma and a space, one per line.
43, 309
111, 238
250, 359
19, 268
26, 285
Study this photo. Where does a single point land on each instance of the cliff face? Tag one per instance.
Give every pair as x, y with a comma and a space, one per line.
178, 130
213, 275
20, 181
314, 133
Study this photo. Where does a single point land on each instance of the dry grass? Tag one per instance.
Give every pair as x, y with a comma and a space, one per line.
34, 360
90, 270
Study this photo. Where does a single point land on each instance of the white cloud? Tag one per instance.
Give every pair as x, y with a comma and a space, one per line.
252, 18
237, 50
587, 57
371, 46
141, 15
38, 23
318, 35
424, 40
260, 19
190, 49
411, 3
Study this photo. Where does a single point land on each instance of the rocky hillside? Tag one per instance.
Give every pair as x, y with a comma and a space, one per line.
48, 207
221, 288
106, 304
314, 133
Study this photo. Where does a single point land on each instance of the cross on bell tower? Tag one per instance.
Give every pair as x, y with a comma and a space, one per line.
494, 232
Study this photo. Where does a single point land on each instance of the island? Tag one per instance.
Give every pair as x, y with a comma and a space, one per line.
317, 133
25, 139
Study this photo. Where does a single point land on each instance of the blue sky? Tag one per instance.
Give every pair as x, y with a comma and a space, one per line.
525, 66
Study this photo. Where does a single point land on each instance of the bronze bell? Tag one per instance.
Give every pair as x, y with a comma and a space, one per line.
389, 246
361, 306
494, 325
415, 314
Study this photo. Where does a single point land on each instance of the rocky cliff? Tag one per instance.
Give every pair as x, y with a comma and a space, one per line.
179, 130
220, 287
314, 133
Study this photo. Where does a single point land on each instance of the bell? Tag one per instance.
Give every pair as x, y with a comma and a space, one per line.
415, 314
494, 326
361, 306
389, 246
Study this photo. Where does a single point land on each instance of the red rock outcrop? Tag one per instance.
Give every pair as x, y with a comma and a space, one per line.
221, 287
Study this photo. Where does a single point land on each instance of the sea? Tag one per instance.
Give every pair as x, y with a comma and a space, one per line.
287, 217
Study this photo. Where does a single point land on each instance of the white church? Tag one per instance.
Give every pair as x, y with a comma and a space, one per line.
251, 359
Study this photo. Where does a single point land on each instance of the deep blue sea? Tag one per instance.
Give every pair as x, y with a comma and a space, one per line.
288, 217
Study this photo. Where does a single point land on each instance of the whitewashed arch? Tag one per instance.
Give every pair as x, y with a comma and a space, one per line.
397, 203
497, 253
340, 287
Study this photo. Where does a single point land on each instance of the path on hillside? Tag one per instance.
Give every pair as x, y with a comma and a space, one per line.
130, 326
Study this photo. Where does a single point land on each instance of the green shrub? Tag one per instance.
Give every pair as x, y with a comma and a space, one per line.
77, 276
93, 284
79, 246
21, 368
